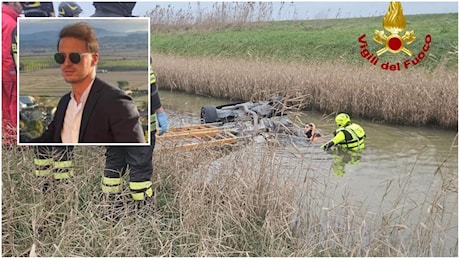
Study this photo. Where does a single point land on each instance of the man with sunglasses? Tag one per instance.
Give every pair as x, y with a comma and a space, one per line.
94, 111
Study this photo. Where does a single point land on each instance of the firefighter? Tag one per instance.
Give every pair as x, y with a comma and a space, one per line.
52, 163
69, 9
113, 9
38, 9
10, 14
138, 158
348, 136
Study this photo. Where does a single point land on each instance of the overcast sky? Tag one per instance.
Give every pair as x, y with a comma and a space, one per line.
304, 10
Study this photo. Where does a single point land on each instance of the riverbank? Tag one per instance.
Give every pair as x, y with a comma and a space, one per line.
306, 41
412, 97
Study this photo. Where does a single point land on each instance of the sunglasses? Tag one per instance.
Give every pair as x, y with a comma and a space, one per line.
74, 57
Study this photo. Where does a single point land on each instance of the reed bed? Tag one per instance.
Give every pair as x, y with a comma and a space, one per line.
215, 203
219, 14
412, 97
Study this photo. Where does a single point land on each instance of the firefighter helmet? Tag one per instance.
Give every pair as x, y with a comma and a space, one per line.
69, 9
342, 119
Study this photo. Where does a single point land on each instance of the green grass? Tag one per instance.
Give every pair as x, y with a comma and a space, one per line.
319, 40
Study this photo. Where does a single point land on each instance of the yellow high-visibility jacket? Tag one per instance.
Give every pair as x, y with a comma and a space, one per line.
350, 137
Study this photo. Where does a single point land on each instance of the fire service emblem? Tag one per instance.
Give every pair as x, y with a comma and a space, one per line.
394, 23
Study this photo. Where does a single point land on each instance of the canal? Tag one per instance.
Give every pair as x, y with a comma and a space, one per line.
405, 171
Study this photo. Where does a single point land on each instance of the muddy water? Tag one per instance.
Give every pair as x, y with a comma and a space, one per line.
415, 163
390, 150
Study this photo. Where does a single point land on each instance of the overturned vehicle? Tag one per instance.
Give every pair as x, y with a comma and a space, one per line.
247, 118
236, 123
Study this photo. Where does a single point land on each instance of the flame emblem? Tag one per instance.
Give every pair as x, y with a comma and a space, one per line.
394, 22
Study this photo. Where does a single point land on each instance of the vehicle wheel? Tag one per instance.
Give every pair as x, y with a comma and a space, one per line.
209, 114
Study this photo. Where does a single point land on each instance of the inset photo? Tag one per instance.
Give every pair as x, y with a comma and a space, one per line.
83, 81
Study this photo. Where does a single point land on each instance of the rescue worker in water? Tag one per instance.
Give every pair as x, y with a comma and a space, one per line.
348, 136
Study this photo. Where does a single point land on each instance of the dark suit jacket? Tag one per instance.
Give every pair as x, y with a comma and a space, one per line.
109, 116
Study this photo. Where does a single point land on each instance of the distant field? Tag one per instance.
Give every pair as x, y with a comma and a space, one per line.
49, 82
310, 40
111, 60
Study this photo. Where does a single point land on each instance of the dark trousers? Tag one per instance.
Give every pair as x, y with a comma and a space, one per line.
139, 160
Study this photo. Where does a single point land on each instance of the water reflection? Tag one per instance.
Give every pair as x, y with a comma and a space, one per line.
342, 158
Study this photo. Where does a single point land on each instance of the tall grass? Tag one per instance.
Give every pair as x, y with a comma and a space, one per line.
215, 203
221, 13
412, 97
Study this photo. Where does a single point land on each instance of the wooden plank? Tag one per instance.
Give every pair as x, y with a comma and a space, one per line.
194, 137
189, 133
200, 145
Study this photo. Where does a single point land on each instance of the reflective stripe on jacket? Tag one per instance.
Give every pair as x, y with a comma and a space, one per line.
153, 78
350, 137
155, 102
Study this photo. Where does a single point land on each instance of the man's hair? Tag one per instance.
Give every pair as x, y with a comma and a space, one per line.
82, 31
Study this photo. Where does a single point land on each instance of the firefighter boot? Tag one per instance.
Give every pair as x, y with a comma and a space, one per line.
143, 198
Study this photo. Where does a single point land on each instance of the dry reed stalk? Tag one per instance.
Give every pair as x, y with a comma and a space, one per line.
214, 203
220, 15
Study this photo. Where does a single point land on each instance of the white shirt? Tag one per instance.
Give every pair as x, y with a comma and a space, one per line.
72, 119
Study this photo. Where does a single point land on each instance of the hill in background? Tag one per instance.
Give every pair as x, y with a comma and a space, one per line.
45, 41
